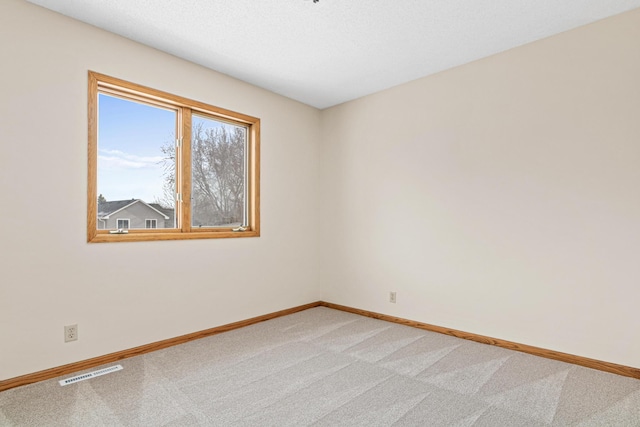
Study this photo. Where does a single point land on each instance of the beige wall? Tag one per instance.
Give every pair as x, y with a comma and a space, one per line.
500, 198
51, 277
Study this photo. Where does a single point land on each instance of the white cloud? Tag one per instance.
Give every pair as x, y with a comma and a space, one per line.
116, 159
123, 175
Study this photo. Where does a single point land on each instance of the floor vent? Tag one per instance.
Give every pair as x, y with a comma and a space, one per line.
90, 375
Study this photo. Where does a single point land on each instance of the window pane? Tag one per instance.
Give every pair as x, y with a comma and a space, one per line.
218, 162
136, 163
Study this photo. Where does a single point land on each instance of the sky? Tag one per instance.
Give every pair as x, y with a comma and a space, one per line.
130, 138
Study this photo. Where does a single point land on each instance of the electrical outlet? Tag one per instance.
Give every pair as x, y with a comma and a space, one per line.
392, 297
70, 333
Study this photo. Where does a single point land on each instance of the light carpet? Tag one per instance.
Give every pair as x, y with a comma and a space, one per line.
323, 367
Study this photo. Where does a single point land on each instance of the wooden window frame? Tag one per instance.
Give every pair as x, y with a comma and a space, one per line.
100, 83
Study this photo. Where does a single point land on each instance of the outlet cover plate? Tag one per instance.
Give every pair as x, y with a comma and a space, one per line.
70, 333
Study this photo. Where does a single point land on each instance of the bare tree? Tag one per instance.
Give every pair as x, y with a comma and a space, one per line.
217, 175
168, 198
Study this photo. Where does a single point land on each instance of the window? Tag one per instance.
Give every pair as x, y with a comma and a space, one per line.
122, 224
179, 169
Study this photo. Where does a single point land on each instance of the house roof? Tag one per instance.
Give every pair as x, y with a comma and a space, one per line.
166, 211
106, 209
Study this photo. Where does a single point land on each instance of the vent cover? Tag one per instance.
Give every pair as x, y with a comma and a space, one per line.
90, 375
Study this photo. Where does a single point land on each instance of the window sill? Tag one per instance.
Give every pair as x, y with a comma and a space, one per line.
105, 237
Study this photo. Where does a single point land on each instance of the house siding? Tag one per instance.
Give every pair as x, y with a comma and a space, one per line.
137, 214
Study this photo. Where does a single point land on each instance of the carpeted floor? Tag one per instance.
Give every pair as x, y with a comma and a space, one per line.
324, 367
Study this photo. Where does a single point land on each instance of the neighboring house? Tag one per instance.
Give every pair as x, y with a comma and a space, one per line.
133, 213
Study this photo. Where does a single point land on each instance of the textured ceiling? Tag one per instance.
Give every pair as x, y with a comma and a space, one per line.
333, 51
